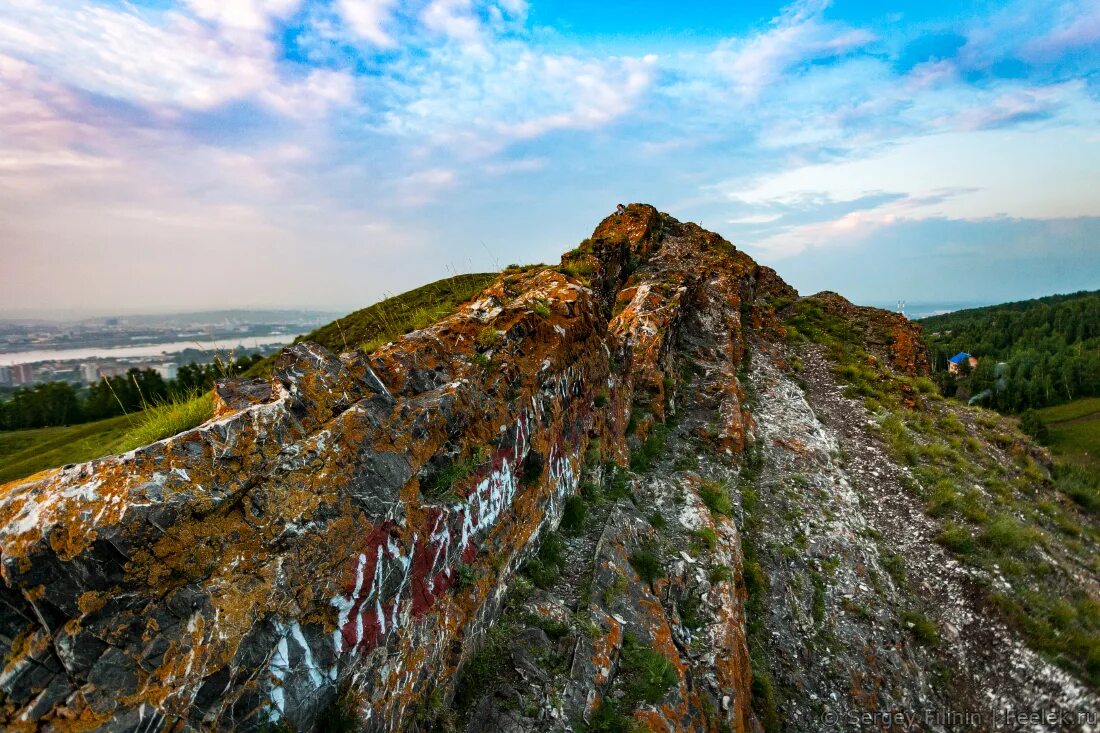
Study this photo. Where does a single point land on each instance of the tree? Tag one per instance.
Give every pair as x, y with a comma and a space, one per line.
1033, 425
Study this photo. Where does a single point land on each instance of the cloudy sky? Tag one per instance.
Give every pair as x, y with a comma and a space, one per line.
190, 154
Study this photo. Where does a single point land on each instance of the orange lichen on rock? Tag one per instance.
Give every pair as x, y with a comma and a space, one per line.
349, 526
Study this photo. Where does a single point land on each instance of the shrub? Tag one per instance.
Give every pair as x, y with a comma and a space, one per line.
642, 460
1033, 425
657, 520
648, 675
338, 716
532, 469
608, 719
706, 539
1006, 534
439, 485
541, 309
894, 567
716, 498
601, 398
923, 628
483, 669
719, 574
689, 611
545, 567
618, 484
763, 699
957, 539
466, 577
572, 518
646, 563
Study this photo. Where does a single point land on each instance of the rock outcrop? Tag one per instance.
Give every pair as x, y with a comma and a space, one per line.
648, 489
347, 529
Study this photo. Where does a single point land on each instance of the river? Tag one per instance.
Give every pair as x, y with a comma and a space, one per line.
146, 350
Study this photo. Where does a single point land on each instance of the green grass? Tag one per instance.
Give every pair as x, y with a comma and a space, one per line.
716, 498
393, 317
1071, 410
167, 419
647, 673
26, 452
1074, 431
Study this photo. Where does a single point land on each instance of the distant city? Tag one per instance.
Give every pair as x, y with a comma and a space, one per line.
79, 352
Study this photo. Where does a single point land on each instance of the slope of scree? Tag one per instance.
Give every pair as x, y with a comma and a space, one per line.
648, 489
339, 538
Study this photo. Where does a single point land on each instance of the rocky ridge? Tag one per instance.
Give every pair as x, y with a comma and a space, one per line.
373, 541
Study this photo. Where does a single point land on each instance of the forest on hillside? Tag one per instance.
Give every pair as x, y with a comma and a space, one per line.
1032, 353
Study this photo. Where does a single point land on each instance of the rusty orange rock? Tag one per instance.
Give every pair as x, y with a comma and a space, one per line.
307, 542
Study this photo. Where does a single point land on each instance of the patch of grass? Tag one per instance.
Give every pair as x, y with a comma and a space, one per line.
573, 516
716, 497
1006, 534
923, 628
167, 419
817, 609
1079, 484
643, 459
26, 452
657, 521
541, 309
705, 539
957, 539
389, 319
647, 674
439, 485
647, 564
487, 337
614, 590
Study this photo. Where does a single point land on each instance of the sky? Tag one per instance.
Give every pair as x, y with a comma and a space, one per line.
197, 154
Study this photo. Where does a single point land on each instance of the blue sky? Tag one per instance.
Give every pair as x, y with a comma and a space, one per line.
206, 153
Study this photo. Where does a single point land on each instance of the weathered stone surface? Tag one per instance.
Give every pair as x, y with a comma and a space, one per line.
888, 335
348, 529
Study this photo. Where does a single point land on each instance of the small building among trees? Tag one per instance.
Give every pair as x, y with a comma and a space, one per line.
955, 363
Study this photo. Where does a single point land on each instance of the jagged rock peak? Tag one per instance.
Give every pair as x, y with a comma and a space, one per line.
348, 529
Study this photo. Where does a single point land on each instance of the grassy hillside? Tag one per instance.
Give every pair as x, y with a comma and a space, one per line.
24, 452
386, 320
1074, 431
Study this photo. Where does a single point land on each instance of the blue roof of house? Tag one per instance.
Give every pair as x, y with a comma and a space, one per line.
959, 357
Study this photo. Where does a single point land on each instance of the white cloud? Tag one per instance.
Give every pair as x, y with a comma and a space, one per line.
171, 59
248, 15
368, 19
452, 18
797, 35
479, 102
1033, 174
